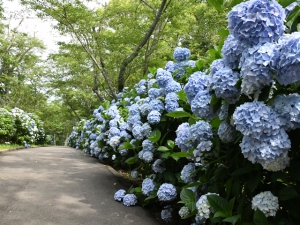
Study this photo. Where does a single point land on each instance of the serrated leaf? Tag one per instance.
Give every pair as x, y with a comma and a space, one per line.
259, 218
131, 160
232, 219
191, 206
155, 135
287, 193
187, 195
219, 204
182, 95
163, 149
178, 114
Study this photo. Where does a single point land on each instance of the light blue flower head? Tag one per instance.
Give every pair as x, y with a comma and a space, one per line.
119, 195
137, 132
232, 51
287, 59
183, 137
224, 84
157, 105
201, 131
144, 109
148, 186
163, 77
200, 105
266, 148
171, 101
256, 21
256, 68
181, 54
154, 117
226, 132
171, 67
154, 93
148, 145
147, 156
146, 130
166, 192
166, 214
129, 199
172, 86
197, 81
157, 166
288, 109
186, 173
256, 119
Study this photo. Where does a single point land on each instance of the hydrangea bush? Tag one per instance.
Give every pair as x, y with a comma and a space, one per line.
217, 143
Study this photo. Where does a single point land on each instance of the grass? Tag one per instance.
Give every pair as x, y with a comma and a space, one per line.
4, 146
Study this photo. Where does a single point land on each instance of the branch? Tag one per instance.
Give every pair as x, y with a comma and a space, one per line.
140, 46
150, 6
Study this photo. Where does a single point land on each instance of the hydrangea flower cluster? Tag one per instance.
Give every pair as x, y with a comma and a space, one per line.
166, 214
183, 137
203, 206
148, 186
184, 211
186, 173
181, 54
157, 166
119, 195
256, 21
129, 199
166, 192
266, 202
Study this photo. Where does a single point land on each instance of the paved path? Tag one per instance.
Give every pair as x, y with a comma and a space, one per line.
61, 186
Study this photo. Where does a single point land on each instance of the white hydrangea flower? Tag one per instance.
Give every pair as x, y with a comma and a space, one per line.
266, 202
203, 205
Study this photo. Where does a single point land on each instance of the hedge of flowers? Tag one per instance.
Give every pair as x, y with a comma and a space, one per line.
215, 144
17, 126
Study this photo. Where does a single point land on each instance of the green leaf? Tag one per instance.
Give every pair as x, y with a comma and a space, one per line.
265, 93
178, 155
217, 4
165, 155
219, 204
254, 181
187, 195
191, 206
259, 218
287, 193
232, 219
182, 95
243, 170
220, 214
138, 189
171, 144
215, 102
285, 3
163, 149
233, 3
131, 160
178, 114
152, 70
199, 65
215, 123
125, 145
155, 135
223, 32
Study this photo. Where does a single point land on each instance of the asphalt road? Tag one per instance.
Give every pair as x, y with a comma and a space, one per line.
61, 186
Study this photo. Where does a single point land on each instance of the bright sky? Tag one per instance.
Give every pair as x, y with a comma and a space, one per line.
32, 25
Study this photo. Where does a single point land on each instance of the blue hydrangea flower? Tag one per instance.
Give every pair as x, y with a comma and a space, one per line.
224, 112
202, 147
186, 173
93, 136
114, 122
113, 111
166, 192
142, 82
114, 141
287, 59
201, 131
119, 195
266, 202
224, 81
183, 137
256, 21
288, 108
146, 130
172, 86
150, 75
141, 90
157, 166
113, 131
147, 156
148, 186
226, 132
154, 93
137, 132
256, 68
266, 148
129, 200
216, 65
151, 82
154, 117
181, 54
144, 109
255, 119
163, 77
157, 105
166, 214
148, 145
197, 81
171, 101
134, 174
134, 109
123, 126
200, 105
232, 51
190, 63
170, 67
125, 134
133, 120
